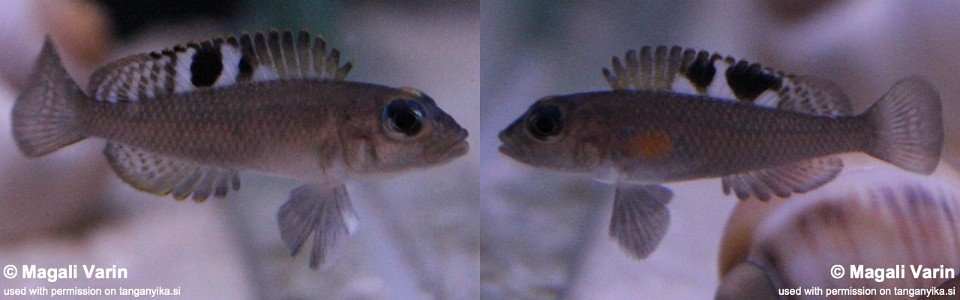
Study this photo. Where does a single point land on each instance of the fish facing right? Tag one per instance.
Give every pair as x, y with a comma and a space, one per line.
186, 120
679, 114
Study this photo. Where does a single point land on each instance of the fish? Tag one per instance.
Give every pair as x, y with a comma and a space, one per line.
677, 114
185, 121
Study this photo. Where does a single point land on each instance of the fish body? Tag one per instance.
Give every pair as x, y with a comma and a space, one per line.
657, 137
303, 128
185, 121
677, 114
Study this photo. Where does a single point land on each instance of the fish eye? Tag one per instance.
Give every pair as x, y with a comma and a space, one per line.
545, 122
403, 118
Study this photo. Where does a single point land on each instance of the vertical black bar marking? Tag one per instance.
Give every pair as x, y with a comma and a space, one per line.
701, 71
206, 65
750, 80
247, 61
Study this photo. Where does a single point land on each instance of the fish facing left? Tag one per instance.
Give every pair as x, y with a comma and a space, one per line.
679, 114
185, 120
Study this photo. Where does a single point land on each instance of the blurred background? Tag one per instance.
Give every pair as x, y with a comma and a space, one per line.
481, 227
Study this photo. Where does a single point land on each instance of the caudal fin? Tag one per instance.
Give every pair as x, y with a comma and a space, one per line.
45, 114
909, 126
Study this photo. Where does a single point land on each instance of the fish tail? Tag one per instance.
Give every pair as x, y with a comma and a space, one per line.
908, 126
45, 116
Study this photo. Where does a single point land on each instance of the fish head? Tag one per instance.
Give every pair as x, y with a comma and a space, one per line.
403, 130
555, 133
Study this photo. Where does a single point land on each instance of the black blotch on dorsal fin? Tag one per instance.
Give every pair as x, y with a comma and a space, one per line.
245, 65
701, 70
747, 81
231, 40
207, 64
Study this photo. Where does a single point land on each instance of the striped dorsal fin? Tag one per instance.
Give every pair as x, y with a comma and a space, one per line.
218, 62
688, 71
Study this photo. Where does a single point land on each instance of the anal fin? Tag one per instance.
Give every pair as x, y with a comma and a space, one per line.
799, 177
322, 210
157, 174
640, 217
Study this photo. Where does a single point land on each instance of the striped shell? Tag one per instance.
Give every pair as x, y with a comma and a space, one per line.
875, 217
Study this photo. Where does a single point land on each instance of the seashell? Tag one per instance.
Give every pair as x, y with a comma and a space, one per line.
877, 225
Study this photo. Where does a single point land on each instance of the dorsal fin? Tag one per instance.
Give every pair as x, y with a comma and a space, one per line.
813, 95
688, 71
218, 62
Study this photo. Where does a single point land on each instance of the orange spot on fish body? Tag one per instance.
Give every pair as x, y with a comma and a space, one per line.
649, 145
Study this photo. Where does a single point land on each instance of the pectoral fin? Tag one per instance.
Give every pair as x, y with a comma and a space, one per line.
321, 210
799, 177
640, 217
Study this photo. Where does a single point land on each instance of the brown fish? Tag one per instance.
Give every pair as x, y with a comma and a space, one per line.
676, 115
186, 120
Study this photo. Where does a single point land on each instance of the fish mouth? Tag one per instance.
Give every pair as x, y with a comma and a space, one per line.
512, 152
508, 151
507, 147
458, 148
